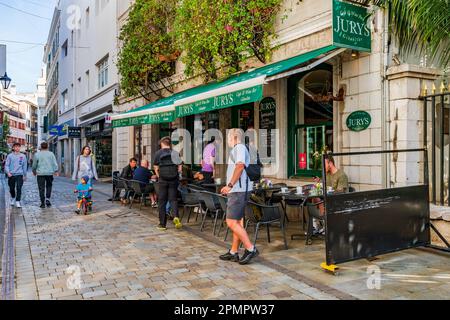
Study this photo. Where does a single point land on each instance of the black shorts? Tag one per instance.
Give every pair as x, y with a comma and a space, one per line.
237, 202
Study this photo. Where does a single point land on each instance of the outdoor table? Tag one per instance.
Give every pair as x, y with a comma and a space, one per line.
267, 192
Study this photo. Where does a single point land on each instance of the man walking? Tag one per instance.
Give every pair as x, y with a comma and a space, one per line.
238, 191
167, 164
45, 167
16, 171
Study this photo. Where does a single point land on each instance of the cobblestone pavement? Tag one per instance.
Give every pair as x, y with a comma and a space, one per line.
117, 253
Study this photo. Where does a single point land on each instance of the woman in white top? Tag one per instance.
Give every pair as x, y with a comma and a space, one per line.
85, 166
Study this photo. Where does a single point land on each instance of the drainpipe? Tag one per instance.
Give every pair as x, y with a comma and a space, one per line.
385, 114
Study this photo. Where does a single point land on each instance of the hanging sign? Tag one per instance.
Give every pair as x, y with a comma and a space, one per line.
268, 121
359, 121
350, 26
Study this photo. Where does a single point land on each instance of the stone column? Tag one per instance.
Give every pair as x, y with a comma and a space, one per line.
407, 122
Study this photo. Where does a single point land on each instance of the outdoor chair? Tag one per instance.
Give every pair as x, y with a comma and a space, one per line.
313, 213
213, 208
190, 201
140, 191
121, 185
223, 206
269, 214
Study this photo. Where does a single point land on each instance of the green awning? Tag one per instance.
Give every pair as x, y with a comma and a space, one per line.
242, 88
245, 87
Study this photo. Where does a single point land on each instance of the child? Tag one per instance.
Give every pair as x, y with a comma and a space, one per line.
84, 189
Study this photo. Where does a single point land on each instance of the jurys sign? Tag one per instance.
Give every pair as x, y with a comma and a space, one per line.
359, 121
156, 118
351, 28
228, 100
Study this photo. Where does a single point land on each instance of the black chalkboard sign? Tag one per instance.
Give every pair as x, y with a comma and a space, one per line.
267, 121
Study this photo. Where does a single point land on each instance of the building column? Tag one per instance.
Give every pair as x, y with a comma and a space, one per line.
406, 120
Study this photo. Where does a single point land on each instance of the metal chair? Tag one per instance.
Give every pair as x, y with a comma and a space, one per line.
223, 205
270, 214
140, 191
313, 213
189, 200
212, 207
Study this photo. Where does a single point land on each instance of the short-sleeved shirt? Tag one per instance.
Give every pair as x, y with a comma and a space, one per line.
163, 152
239, 154
143, 175
339, 181
208, 153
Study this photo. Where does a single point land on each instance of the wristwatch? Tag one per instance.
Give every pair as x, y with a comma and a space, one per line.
230, 185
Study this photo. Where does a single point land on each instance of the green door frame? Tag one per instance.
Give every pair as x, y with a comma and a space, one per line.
292, 120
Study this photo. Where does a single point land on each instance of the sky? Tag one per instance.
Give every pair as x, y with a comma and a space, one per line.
24, 61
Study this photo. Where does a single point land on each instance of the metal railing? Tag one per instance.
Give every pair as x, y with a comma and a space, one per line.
438, 105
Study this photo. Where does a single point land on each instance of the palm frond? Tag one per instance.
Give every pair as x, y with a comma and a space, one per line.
421, 27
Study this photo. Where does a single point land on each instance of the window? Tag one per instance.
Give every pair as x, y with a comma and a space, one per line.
65, 100
103, 73
65, 48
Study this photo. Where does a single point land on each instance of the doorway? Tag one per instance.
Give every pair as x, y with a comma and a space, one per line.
243, 117
310, 121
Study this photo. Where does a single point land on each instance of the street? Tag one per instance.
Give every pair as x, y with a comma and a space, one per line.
117, 253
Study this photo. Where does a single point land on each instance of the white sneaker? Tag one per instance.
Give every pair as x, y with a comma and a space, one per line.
18, 205
13, 202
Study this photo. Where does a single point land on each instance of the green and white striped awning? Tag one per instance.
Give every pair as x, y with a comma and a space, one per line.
242, 88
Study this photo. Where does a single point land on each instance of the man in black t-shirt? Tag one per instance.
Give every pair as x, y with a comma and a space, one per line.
167, 165
143, 174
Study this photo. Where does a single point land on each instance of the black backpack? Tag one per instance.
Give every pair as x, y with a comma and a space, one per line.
168, 171
254, 170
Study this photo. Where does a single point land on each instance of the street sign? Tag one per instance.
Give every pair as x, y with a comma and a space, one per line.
74, 132
350, 26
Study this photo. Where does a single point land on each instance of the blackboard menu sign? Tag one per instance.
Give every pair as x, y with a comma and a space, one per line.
267, 121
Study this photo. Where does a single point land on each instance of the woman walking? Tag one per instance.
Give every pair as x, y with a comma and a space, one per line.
85, 166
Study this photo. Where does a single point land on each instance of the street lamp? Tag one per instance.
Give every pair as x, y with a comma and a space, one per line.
6, 81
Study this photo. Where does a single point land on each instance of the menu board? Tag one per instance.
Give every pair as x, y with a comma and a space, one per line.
267, 121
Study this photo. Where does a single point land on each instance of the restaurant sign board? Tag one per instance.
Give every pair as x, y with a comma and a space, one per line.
350, 26
359, 121
223, 101
156, 118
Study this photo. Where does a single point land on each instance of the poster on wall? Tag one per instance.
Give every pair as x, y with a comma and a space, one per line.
267, 121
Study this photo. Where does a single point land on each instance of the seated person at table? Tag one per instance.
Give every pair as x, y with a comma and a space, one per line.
337, 179
144, 175
128, 171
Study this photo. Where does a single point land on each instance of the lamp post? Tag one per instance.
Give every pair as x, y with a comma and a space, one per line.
6, 81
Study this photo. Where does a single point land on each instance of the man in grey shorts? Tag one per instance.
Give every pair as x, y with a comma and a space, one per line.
238, 192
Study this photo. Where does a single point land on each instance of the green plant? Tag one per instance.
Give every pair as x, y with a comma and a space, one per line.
4, 137
420, 26
224, 33
148, 48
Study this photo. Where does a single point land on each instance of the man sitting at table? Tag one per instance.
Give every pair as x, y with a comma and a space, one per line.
144, 175
337, 179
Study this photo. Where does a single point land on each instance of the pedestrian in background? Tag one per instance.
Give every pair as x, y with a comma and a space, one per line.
16, 170
167, 164
85, 166
45, 167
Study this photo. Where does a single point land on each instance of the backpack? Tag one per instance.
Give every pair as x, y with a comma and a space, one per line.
254, 170
168, 171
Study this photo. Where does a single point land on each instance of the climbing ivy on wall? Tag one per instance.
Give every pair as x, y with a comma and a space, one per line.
214, 35
148, 48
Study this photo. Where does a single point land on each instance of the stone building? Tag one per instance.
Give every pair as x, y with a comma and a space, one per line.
333, 84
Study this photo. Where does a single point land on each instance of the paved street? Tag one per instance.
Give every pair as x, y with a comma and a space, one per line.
118, 253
